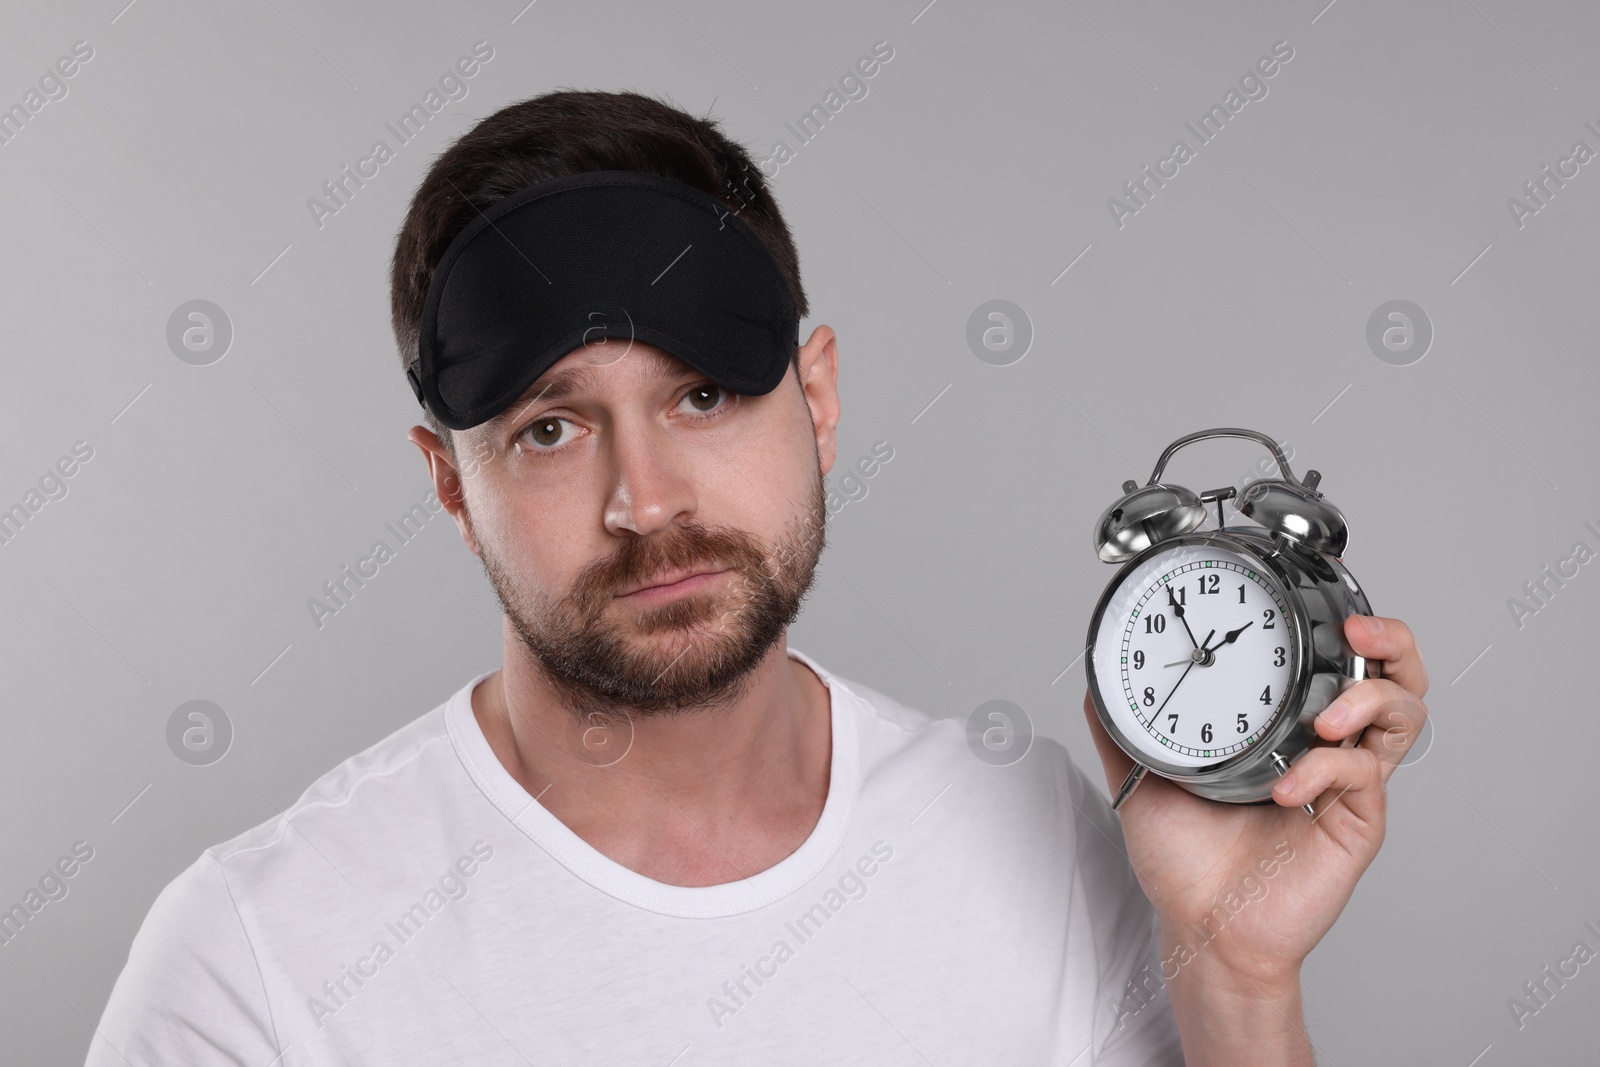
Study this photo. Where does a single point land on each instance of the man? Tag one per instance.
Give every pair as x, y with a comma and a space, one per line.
658, 834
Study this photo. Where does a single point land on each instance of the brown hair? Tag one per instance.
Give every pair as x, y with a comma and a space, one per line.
571, 132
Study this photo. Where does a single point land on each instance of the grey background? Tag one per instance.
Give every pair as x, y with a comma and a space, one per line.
978, 167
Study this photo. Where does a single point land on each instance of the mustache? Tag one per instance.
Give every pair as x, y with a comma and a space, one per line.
683, 545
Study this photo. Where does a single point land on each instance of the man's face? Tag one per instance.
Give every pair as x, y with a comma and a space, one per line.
623, 467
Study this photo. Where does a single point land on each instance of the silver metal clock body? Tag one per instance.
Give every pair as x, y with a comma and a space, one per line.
1287, 568
1318, 592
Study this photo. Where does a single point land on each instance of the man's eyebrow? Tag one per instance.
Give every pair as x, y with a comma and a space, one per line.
573, 380
562, 385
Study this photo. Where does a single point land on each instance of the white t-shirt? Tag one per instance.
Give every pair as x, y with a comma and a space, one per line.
421, 908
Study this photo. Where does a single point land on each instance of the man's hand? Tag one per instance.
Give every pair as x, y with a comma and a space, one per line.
1195, 856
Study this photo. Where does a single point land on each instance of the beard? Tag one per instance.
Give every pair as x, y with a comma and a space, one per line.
606, 660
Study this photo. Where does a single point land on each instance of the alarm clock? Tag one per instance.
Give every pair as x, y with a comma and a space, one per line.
1211, 651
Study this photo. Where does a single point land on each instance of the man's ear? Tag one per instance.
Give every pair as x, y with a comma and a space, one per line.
446, 481
819, 382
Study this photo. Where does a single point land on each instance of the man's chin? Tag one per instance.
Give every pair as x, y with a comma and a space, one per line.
692, 649
685, 656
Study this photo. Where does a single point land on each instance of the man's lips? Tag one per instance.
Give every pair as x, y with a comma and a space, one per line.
668, 582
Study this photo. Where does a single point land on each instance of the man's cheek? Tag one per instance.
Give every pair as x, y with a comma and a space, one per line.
478, 458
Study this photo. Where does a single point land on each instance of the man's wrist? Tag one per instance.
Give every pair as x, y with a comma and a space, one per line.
1235, 1016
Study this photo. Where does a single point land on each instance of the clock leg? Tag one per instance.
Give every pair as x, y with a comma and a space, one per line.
1281, 765
1135, 776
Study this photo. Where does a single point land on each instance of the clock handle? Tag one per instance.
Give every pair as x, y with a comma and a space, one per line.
1224, 431
1135, 776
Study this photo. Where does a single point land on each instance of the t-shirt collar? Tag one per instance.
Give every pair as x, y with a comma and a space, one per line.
608, 876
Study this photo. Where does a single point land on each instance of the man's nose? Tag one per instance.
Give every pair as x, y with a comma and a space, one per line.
651, 486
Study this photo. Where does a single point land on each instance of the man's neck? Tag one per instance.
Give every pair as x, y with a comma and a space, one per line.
698, 799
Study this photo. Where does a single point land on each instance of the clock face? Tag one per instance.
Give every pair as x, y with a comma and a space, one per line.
1194, 654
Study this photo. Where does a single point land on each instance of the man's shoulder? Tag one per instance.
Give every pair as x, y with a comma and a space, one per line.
889, 711
356, 827
996, 758
1015, 815
366, 801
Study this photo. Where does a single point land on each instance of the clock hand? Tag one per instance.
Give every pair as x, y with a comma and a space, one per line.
1179, 682
1231, 636
1175, 685
1190, 658
1177, 609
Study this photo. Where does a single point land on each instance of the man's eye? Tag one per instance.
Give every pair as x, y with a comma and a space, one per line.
704, 398
545, 433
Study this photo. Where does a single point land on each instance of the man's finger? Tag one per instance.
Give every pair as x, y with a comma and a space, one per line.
1393, 644
1395, 714
1323, 776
